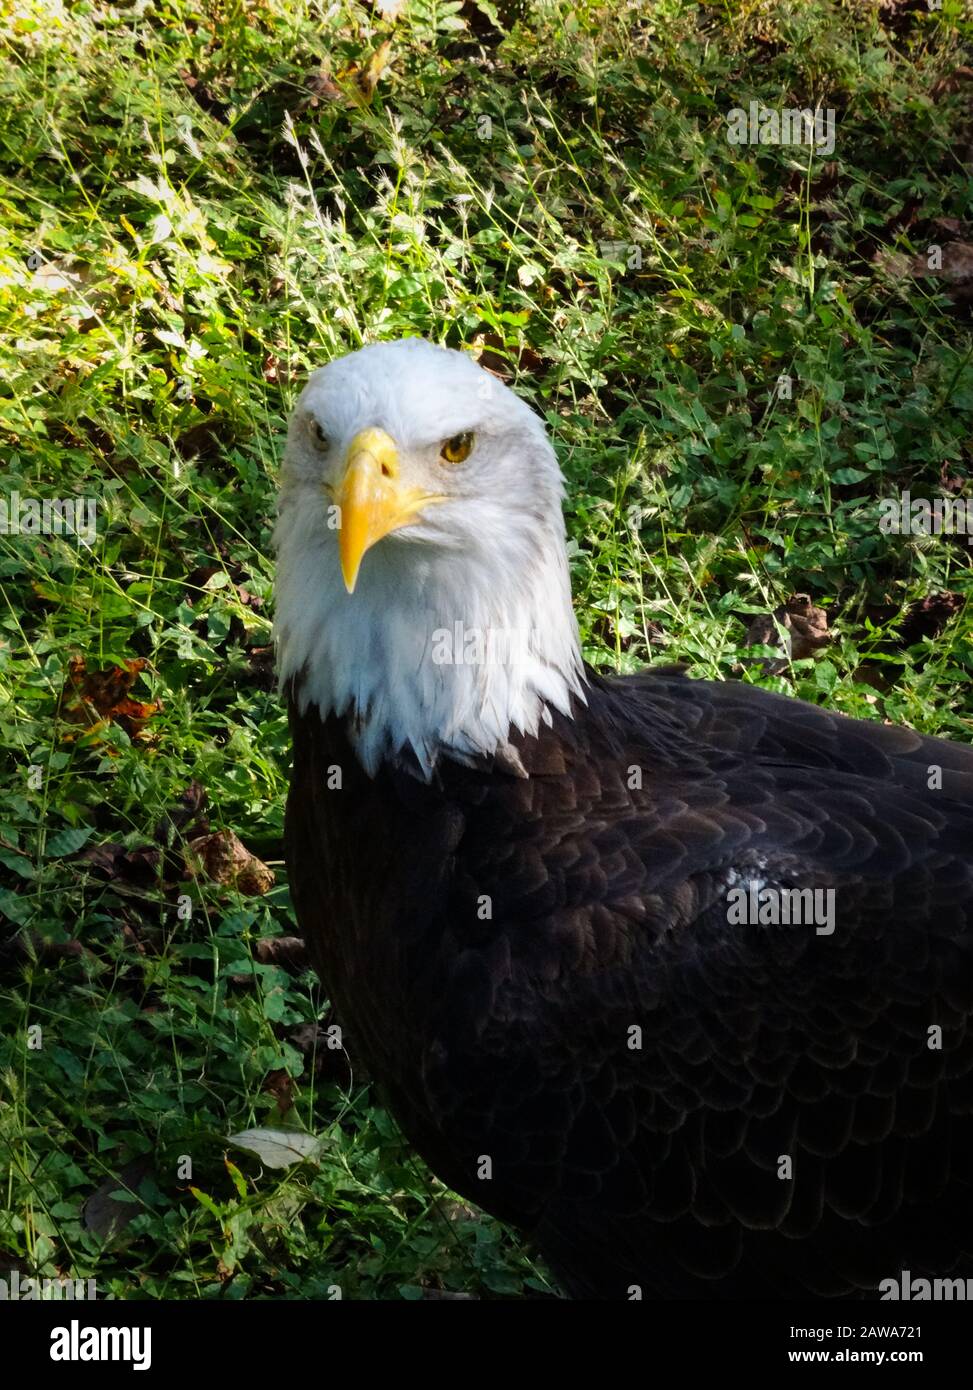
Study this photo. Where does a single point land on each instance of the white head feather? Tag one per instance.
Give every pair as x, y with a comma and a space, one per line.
486, 565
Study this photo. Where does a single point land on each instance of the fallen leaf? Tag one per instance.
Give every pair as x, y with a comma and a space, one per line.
946, 228
320, 88
281, 1085
277, 1148
35, 948
945, 259
203, 96
362, 81
227, 861
205, 439
797, 629
110, 1207
952, 82
282, 950
328, 1063
136, 866
929, 616
55, 278
187, 812
495, 357
100, 697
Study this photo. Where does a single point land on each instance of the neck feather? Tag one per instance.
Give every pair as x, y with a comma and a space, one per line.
443, 653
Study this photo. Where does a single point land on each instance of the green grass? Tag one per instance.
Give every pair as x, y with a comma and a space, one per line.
187, 229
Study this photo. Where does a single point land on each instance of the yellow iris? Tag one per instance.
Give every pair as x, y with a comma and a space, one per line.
457, 449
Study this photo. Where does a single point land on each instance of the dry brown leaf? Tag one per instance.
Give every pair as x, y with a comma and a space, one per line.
136, 866
494, 356
282, 950
361, 82
953, 263
281, 1085
224, 859
928, 616
105, 1213
97, 698
797, 629
952, 82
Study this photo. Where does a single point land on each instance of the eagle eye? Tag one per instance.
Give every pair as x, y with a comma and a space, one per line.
318, 437
457, 449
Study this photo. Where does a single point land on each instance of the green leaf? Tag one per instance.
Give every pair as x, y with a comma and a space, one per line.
14, 907
206, 1201
18, 863
239, 1181
66, 842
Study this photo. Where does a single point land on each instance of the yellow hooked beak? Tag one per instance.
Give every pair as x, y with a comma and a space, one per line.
371, 499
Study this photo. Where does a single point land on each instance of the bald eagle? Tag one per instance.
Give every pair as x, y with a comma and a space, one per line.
675, 976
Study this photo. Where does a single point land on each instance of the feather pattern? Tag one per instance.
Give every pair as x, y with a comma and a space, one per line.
509, 1036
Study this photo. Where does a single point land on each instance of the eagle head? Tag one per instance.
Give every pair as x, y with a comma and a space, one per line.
423, 586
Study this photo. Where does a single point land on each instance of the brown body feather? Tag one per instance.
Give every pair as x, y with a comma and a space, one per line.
491, 940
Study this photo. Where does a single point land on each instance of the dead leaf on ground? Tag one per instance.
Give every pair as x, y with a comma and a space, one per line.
949, 260
57, 276
950, 482
281, 1085
205, 439
136, 866
495, 357
946, 228
282, 950
952, 82
31, 946
107, 1214
97, 698
332, 1063
360, 82
186, 815
146, 865
929, 616
277, 1148
320, 88
797, 629
224, 859
203, 96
